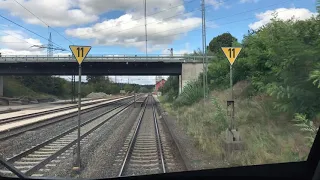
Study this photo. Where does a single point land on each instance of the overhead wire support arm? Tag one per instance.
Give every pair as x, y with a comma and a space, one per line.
46, 47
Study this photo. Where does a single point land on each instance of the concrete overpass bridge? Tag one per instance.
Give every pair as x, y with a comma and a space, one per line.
187, 67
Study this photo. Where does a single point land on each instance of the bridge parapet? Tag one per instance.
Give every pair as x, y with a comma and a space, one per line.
102, 58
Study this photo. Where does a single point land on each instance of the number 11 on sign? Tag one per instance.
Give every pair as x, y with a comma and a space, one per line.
79, 51
234, 52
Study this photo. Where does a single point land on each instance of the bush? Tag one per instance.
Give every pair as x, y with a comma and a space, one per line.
191, 93
305, 126
13, 88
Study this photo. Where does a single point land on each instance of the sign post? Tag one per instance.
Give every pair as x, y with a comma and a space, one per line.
80, 53
232, 54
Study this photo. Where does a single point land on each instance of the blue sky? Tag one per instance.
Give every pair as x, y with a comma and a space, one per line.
117, 27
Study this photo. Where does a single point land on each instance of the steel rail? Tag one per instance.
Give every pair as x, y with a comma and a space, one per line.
37, 125
160, 150
65, 147
21, 117
133, 139
19, 156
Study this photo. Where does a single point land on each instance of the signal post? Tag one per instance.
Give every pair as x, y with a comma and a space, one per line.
80, 53
232, 139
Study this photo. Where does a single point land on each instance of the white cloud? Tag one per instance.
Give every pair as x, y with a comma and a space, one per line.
134, 79
127, 31
54, 13
16, 40
64, 13
6, 51
68, 78
134, 7
249, 1
185, 50
215, 3
17, 43
283, 14
163, 27
211, 24
62, 53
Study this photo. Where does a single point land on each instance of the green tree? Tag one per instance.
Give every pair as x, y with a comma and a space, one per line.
144, 90
95, 79
223, 40
280, 59
114, 89
171, 88
46, 84
128, 88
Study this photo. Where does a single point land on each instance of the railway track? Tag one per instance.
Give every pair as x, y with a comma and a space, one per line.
146, 149
4, 135
38, 159
22, 117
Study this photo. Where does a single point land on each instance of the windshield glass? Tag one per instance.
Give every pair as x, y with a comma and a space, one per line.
99, 89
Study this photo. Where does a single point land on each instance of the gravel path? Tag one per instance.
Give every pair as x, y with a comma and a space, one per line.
28, 139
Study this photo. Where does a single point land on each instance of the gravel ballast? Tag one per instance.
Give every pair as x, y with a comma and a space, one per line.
98, 152
99, 149
15, 145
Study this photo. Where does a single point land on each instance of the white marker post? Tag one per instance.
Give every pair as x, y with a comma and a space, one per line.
80, 53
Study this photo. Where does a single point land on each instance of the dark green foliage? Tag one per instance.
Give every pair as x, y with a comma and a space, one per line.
36, 86
191, 93
282, 56
46, 84
144, 90
128, 88
280, 59
315, 76
306, 126
97, 79
223, 40
171, 88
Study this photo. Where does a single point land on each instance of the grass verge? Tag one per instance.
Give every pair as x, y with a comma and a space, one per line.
269, 136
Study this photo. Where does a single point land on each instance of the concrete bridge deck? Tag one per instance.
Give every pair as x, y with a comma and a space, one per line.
101, 58
96, 65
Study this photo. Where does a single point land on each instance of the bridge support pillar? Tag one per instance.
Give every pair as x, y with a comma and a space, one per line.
190, 72
1, 85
